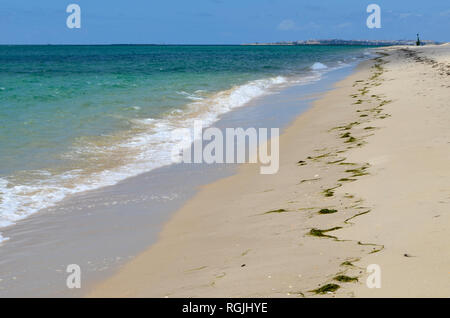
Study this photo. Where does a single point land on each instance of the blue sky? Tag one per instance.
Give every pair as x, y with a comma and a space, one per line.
218, 21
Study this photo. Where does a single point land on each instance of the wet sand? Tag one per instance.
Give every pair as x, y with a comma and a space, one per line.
363, 179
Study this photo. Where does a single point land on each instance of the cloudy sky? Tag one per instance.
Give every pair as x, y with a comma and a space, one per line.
218, 21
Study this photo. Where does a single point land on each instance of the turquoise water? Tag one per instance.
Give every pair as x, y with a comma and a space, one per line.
74, 118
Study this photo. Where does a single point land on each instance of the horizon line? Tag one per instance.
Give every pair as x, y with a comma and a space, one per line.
281, 42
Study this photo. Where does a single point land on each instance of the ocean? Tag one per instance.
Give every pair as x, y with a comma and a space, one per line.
76, 118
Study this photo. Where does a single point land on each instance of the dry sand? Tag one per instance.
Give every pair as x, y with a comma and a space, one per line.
376, 149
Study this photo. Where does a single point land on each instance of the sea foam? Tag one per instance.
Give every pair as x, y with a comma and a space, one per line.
153, 148
3, 239
318, 66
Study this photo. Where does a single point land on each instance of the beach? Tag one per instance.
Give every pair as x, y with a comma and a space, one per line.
363, 179
90, 181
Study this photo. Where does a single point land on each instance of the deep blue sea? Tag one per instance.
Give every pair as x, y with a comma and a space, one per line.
74, 118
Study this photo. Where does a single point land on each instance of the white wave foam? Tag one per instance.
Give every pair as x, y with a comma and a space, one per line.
152, 148
3, 239
318, 66
190, 96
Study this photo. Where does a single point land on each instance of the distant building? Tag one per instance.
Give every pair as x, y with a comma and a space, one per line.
349, 42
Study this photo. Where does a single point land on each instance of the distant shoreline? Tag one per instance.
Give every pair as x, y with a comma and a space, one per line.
333, 42
348, 42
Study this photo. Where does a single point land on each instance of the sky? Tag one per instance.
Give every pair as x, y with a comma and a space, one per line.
218, 21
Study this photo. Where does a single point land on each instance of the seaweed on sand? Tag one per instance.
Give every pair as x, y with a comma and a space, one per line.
327, 211
276, 211
320, 233
328, 288
329, 192
358, 172
345, 278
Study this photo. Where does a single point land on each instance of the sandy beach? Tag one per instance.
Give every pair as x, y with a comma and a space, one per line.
364, 178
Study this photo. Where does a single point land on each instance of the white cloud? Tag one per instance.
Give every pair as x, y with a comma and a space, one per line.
286, 25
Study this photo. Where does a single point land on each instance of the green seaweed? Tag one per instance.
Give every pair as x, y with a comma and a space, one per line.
329, 192
347, 263
374, 250
320, 233
336, 161
305, 209
346, 180
196, 269
346, 127
350, 139
345, 279
364, 91
348, 164
328, 288
356, 215
358, 172
246, 252
378, 67
276, 211
328, 154
306, 180
327, 211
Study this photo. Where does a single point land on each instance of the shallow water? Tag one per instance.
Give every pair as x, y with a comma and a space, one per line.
102, 229
77, 118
